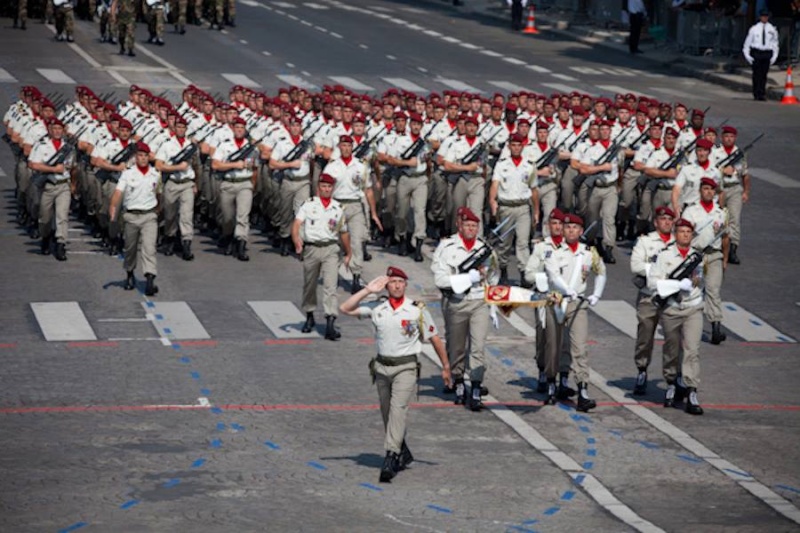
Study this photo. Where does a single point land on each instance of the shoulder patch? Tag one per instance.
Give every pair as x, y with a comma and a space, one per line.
419, 303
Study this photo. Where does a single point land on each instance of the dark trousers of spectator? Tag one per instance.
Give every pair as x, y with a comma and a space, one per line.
760, 70
516, 15
636, 23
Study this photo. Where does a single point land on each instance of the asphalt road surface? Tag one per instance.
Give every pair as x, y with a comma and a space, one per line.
204, 409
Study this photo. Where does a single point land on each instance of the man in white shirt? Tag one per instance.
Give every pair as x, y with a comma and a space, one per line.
761, 50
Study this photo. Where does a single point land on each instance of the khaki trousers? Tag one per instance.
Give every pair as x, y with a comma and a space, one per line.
115, 228
629, 200
389, 210
325, 260
91, 191
521, 215
412, 193
437, 198
141, 232
648, 317
55, 200
22, 174
395, 389
235, 201
292, 196
568, 187
555, 356
466, 321
733, 201
548, 200
683, 329
603, 204
576, 329
357, 227
179, 209
470, 193
713, 281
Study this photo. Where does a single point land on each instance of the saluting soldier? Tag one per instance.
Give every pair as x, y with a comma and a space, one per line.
317, 229
648, 315
401, 326
138, 190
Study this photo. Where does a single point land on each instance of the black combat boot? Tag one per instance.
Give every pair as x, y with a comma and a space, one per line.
405, 458
355, 285
551, 392
331, 333
630, 233
418, 251
620, 230
733, 258
584, 402
187, 251
169, 246
541, 384
130, 282
402, 249
116, 246
564, 391
461, 391
150, 289
717, 336
285, 250
61, 251
241, 250
475, 403
46, 245
365, 253
230, 247
640, 389
232, 22
669, 395
692, 403
389, 468
310, 323
503, 276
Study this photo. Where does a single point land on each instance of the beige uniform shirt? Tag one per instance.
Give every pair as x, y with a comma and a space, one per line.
592, 155
352, 178
644, 255
459, 149
568, 271
542, 250
658, 158
283, 148
223, 153
718, 154
167, 151
689, 181
450, 253
41, 152
709, 226
139, 191
401, 331
666, 262
515, 179
397, 147
321, 224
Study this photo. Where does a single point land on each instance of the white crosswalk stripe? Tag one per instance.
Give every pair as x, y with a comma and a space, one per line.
175, 320
748, 326
6, 77
313, 5
457, 85
561, 87
292, 79
564, 77
508, 86
352, 83
618, 71
63, 321
283, 319
54, 75
537, 68
589, 71
775, 178
619, 314
406, 85
240, 79
621, 90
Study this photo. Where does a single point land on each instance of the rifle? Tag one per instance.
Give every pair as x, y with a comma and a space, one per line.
461, 282
683, 271
614, 147
244, 152
578, 140
186, 153
66, 149
589, 235
295, 153
734, 157
120, 157
361, 149
409, 153
470, 157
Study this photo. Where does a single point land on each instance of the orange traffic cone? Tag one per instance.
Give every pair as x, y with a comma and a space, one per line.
530, 27
788, 91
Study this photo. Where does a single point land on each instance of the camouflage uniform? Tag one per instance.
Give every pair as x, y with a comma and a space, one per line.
179, 7
126, 20
22, 14
155, 21
219, 6
65, 20
108, 32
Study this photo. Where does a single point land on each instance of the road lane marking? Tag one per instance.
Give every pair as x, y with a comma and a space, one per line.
176, 320
490, 53
282, 318
563, 77
586, 70
240, 79
6, 77
352, 83
266, 53
292, 79
508, 86
457, 85
54, 75
313, 5
621, 90
62, 321
775, 178
173, 70
513, 61
619, 314
391, 57
750, 327
537, 68
334, 34
406, 85
561, 87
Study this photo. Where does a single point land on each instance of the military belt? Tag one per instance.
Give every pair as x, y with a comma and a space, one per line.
397, 360
348, 200
292, 178
321, 244
140, 211
513, 203
236, 180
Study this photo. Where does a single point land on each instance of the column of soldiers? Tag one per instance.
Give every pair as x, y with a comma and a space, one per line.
402, 169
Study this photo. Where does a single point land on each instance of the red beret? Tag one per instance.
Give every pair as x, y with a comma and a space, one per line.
180, 121
439, 105
671, 131
578, 110
359, 117
557, 214
522, 121
394, 272
606, 123
682, 222
711, 129
571, 218
679, 104
542, 125
133, 89
47, 103
123, 123
698, 113
465, 214
142, 147
664, 210
729, 129
642, 109
452, 103
708, 181
327, 178
345, 139
511, 107
517, 138
471, 120
237, 88
705, 144
53, 121
239, 120
415, 117
624, 107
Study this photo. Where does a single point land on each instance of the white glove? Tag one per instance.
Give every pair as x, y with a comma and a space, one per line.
474, 276
748, 59
494, 316
685, 284
592, 300
572, 295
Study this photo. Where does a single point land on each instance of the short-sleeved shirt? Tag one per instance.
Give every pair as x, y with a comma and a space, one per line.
140, 190
709, 226
42, 151
688, 180
321, 224
223, 154
352, 178
515, 179
718, 155
170, 149
593, 154
283, 148
401, 331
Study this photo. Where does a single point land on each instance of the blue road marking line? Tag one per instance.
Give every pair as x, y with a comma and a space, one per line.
216, 443
551, 511
73, 527
530, 522
494, 351
205, 392
216, 410
581, 418
318, 466
585, 429
159, 317
507, 362
564, 406
151, 304
755, 322
689, 458
579, 479
649, 445
588, 465
520, 373
370, 486
730, 307
615, 432
185, 360
784, 339
787, 487
591, 452
128, 504
171, 483
220, 426
567, 496
197, 463
590, 440
439, 509
737, 472
237, 427
271, 445
520, 528
195, 375
167, 331
176, 346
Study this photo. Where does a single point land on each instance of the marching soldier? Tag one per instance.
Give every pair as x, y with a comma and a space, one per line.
710, 223
640, 158
686, 190
514, 190
629, 198
547, 186
155, 21
648, 315
658, 190
60, 183
22, 15
401, 326
466, 314
466, 180
682, 317
735, 185
603, 195
124, 12
180, 188
567, 141
567, 269
239, 178
65, 20
317, 229
138, 189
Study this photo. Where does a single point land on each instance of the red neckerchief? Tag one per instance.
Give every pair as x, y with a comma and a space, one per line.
57, 144
656, 143
346, 126
163, 124
516, 160
389, 126
357, 138
325, 202
509, 127
665, 236
451, 123
549, 119
239, 142
624, 124
670, 152
295, 140
542, 146
705, 165
684, 251
574, 246
413, 137
468, 243
180, 140
697, 133
143, 169
557, 239
728, 150
708, 206
124, 143
576, 130
396, 302
681, 126
563, 123
641, 128
470, 142
605, 143
346, 160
